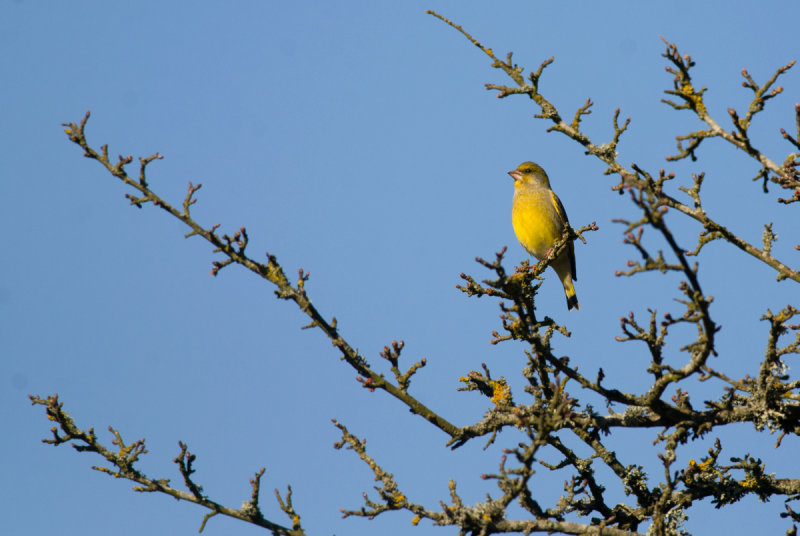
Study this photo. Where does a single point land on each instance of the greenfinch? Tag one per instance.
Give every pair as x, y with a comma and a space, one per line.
539, 221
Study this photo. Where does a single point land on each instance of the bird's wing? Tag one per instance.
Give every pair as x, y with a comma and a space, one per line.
559, 207
562, 213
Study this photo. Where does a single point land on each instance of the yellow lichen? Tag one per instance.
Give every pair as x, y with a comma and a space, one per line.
750, 483
500, 392
695, 99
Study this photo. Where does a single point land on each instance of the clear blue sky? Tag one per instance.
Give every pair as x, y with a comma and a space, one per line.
355, 140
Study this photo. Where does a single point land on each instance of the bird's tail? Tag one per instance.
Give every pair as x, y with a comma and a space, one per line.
569, 291
572, 298
563, 268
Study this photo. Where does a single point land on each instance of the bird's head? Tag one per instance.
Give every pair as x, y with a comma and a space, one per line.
530, 174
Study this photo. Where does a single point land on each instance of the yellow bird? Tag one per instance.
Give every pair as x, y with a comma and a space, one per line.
539, 221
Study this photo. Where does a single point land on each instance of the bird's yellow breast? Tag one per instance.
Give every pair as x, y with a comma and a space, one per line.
536, 220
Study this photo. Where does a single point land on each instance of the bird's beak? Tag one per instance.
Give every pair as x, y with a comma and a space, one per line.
516, 174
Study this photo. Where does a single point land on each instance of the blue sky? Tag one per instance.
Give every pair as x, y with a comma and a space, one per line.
354, 140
